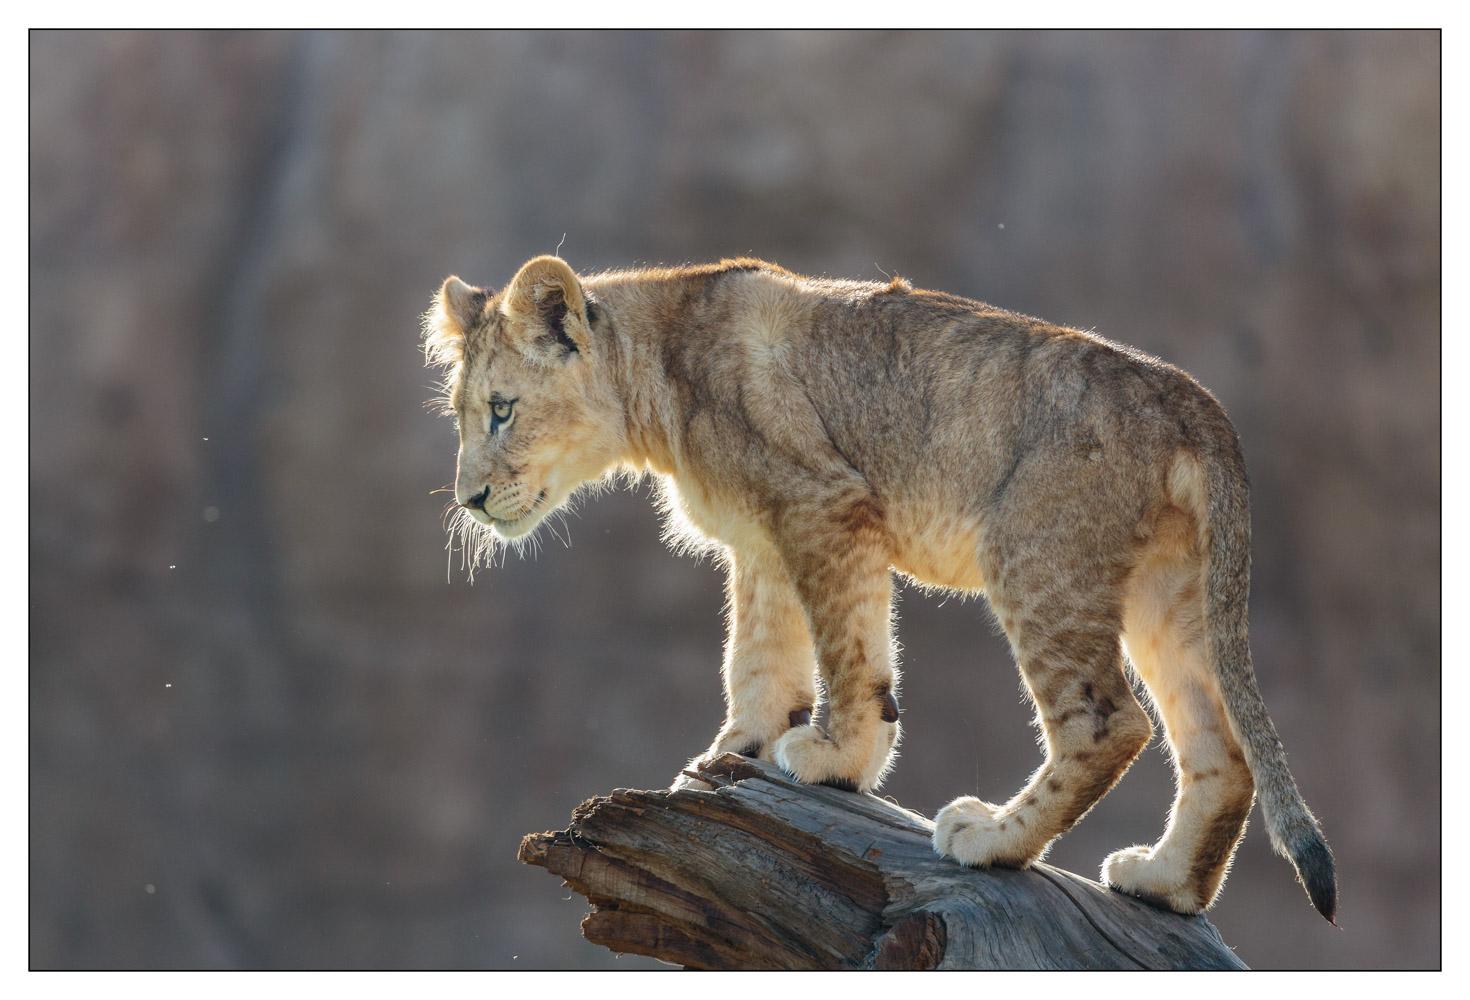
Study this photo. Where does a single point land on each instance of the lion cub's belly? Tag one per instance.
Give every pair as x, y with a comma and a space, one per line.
935, 549
942, 551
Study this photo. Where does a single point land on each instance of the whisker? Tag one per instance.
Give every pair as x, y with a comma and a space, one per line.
551, 526
475, 543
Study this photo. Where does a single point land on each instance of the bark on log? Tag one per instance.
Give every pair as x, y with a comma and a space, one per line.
765, 873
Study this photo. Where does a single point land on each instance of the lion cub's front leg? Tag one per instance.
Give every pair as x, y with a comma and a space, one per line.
769, 668
839, 559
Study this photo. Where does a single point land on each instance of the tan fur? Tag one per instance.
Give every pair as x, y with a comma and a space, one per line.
818, 434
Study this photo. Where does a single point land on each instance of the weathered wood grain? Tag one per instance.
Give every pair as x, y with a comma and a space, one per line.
765, 873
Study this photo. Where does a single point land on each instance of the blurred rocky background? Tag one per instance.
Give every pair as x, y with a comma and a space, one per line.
271, 728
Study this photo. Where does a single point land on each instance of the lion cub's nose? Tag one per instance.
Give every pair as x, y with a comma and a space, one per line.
476, 502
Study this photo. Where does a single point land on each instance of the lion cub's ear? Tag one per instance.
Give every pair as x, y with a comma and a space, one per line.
455, 310
547, 295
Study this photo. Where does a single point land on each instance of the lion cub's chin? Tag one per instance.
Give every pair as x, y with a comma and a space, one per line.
513, 528
518, 528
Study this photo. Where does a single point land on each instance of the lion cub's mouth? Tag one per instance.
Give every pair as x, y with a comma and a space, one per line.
512, 527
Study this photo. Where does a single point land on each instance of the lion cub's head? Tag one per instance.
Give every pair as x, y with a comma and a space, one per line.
525, 381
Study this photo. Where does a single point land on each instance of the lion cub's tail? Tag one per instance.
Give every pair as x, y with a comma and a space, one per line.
1294, 831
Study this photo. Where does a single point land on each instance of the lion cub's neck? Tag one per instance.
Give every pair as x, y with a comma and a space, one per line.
658, 323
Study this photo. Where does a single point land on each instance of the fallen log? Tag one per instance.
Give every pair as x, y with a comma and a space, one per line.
766, 873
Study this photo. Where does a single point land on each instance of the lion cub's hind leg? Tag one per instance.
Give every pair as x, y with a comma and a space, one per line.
1166, 642
769, 667
1064, 630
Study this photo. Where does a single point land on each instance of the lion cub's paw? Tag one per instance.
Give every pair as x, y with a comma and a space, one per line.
973, 833
1138, 871
812, 757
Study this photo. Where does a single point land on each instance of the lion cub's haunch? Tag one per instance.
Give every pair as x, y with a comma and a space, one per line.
821, 433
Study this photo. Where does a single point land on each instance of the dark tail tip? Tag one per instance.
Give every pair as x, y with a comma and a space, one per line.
1314, 866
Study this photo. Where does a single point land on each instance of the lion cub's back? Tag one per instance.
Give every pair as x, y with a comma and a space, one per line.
946, 404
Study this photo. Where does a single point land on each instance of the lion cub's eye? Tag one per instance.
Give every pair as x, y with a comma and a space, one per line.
501, 413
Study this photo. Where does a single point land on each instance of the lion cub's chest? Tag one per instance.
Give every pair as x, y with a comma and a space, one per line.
696, 518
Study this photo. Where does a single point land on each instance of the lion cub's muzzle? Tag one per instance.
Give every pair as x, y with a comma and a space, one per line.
507, 510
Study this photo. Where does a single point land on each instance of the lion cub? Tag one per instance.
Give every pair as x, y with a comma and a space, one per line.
821, 433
